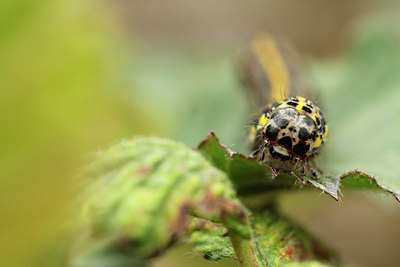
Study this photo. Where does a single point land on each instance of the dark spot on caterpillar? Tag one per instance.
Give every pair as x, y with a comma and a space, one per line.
304, 134
301, 149
286, 142
306, 109
271, 132
318, 121
282, 123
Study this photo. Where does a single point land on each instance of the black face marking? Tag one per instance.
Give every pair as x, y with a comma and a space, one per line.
304, 134
301, 149
292, 129
286, 142
308, 121
323, 129
275, 154
293, 104
271, 132
282, 123
306, 109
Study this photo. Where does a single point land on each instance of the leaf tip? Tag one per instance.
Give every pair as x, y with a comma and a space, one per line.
208, 139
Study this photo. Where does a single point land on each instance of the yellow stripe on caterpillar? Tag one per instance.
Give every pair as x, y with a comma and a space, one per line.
325, 134
263, 120
302, 103
318, 142
266, 50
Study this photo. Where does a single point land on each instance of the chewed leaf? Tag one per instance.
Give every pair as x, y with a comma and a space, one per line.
141, 193
251, 177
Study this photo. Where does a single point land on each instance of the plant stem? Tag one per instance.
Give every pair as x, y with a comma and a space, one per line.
245, 249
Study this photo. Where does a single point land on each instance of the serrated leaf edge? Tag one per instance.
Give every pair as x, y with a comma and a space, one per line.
303, 180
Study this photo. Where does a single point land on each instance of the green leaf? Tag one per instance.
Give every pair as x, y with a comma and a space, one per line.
210, 239
278, 240
251, 177
359, 179
361, 94
142, 191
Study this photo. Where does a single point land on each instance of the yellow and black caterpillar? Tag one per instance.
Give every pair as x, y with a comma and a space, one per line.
290, 128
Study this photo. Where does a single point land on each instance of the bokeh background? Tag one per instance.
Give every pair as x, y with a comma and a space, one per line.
79, 75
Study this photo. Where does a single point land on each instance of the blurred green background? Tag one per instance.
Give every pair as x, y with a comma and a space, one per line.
77, 76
